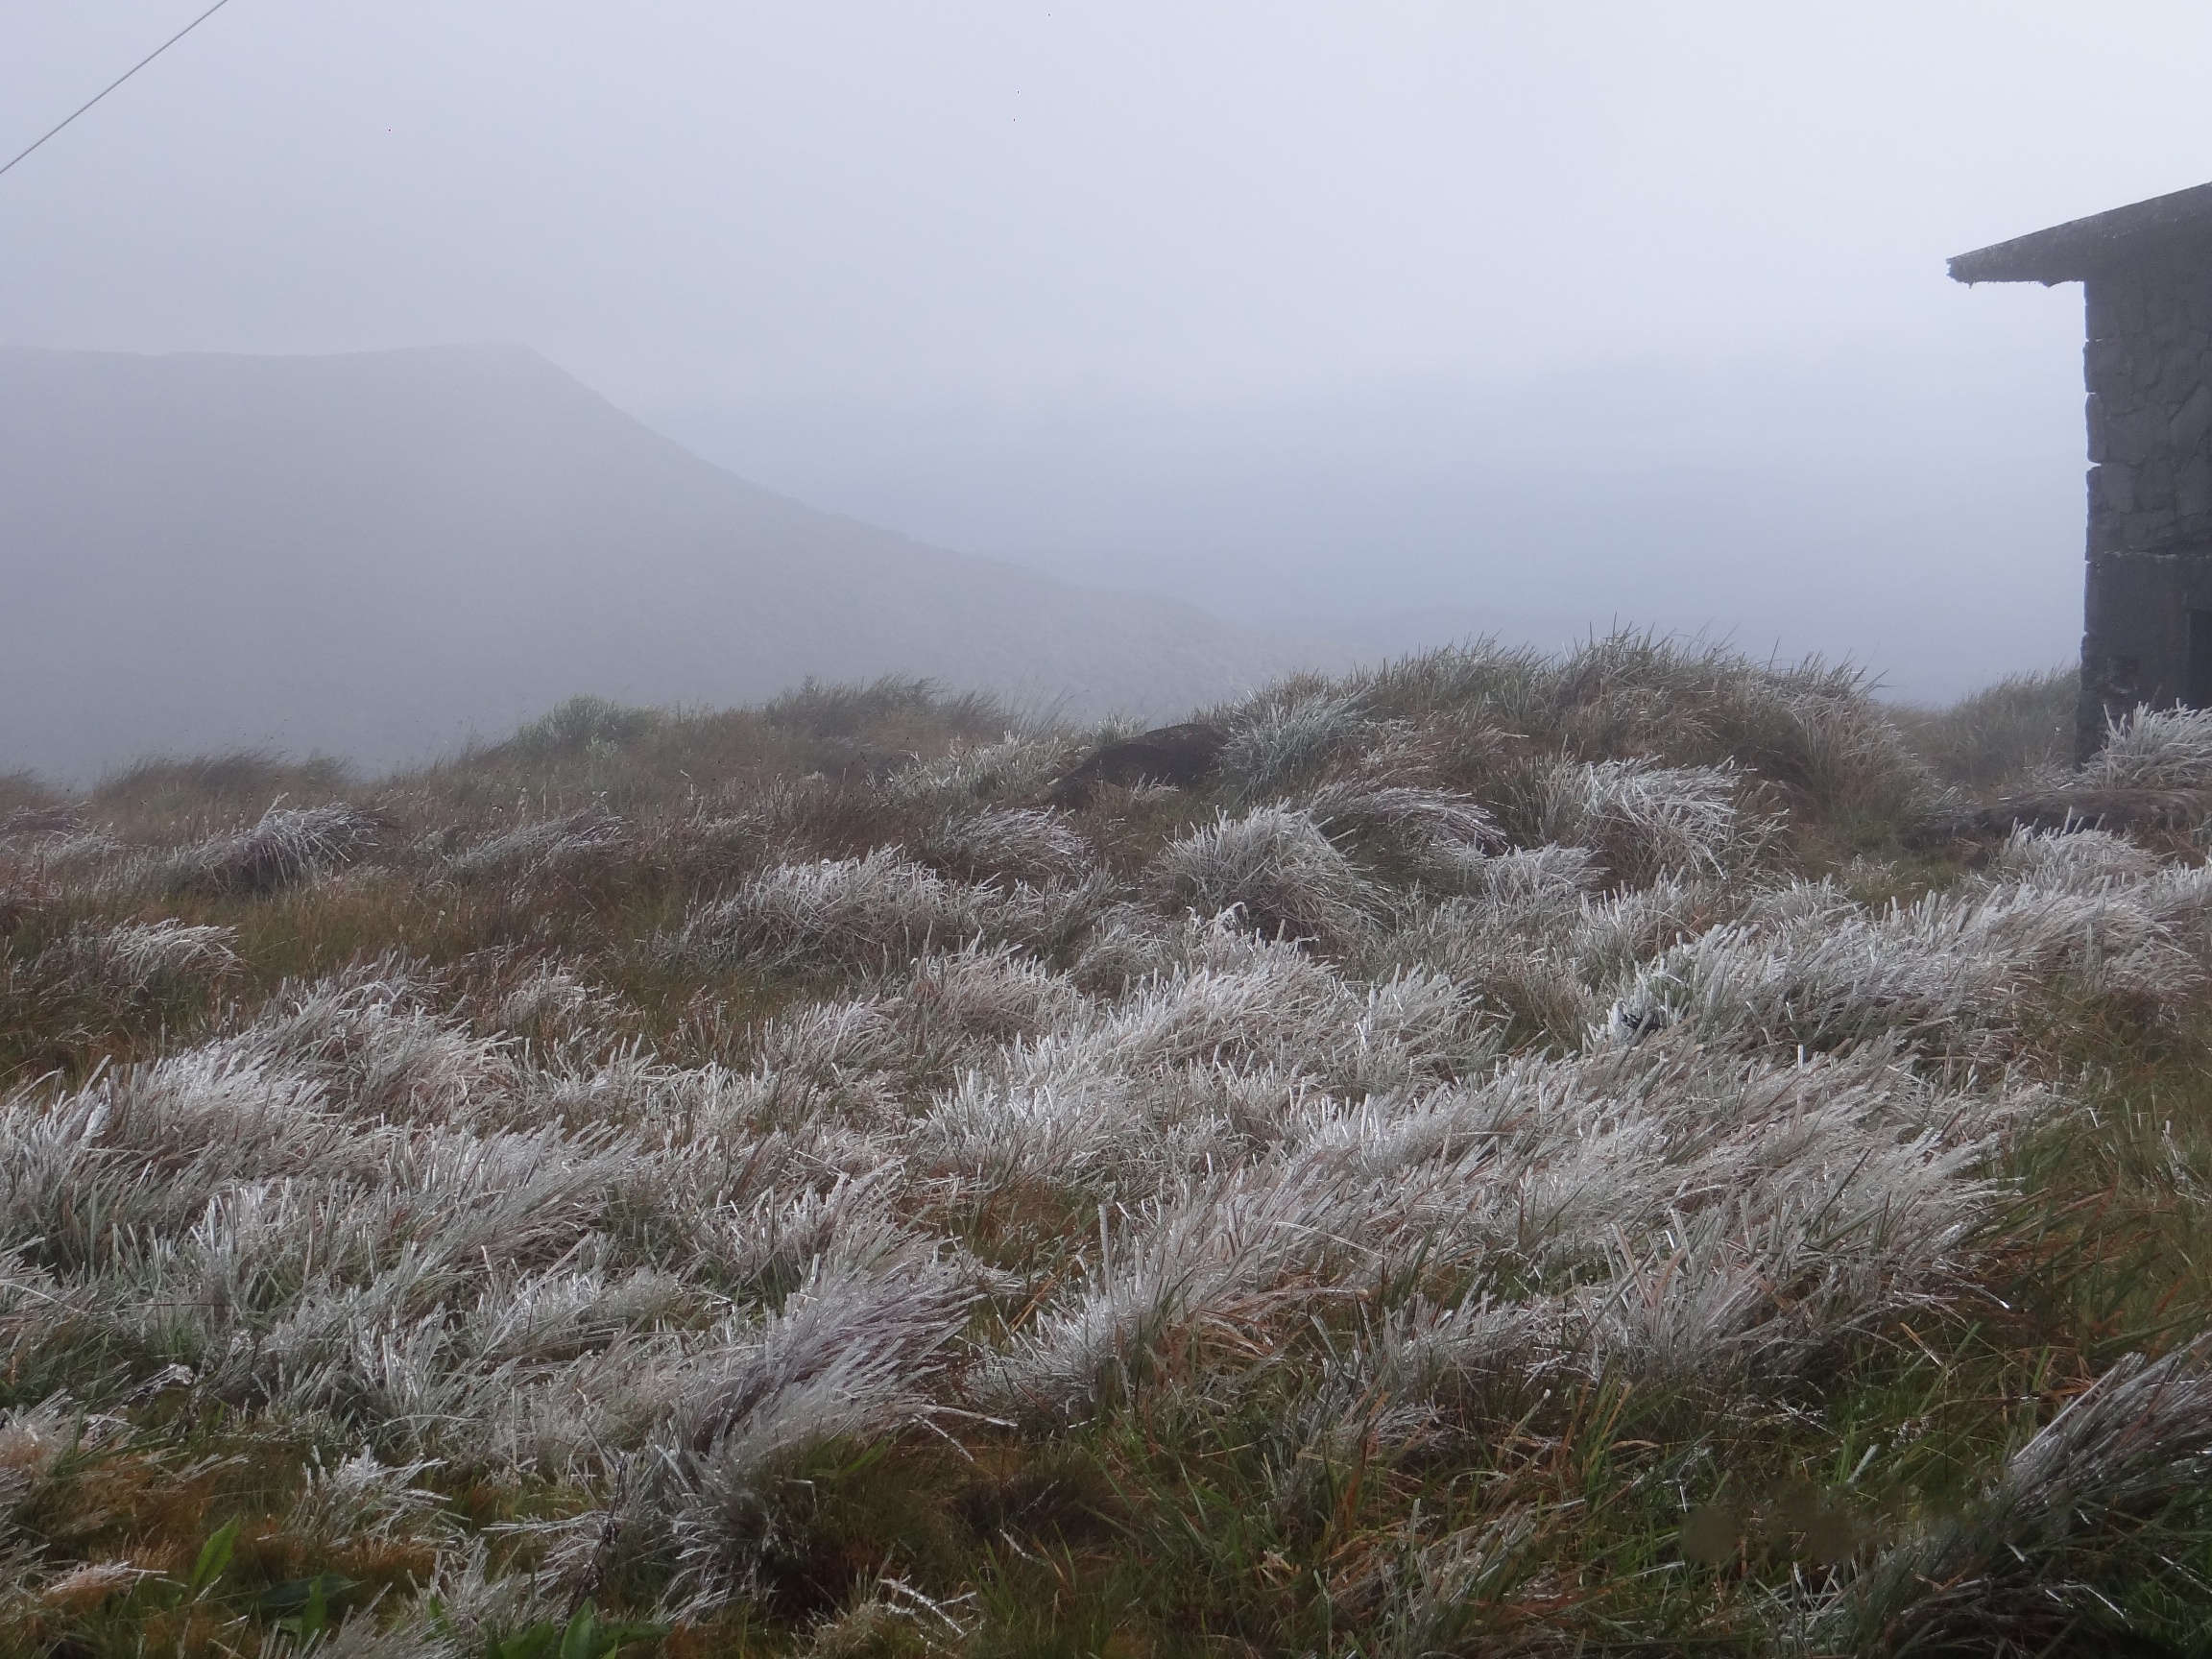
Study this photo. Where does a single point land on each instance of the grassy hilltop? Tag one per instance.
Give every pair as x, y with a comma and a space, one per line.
1618, 1153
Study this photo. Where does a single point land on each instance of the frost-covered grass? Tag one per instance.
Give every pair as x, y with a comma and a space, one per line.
1521, 1159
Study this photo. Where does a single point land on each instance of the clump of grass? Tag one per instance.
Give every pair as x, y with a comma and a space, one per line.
244, 778
1811, 729
870, 910
2152, 749
1276, 868
2020, 727
1282, 741
1645, 820
583, 724
1028, 844
2153, 772
538, 845
2068, 1545
831, 712
282, 849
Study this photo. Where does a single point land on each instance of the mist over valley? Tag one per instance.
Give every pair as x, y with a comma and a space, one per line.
380, 555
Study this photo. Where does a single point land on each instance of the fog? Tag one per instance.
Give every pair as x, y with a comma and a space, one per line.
1389, 325
1931, 530
383, 555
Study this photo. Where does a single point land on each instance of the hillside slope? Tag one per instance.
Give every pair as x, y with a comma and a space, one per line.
376, 555
1520, 1158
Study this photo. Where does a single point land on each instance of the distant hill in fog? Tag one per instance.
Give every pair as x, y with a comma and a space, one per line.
376, 555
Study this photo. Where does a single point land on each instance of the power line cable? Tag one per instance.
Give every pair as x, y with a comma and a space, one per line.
126, 75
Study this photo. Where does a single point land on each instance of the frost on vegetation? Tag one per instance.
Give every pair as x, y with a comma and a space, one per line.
1279, 743
1534, 945
766, 1251
1334, 1095
362, 1497
1678, 1217
551, 999
851, 1357
35, 1439
1207, 1255
1437, 832
364, 1635
64, 849
1014, 768
985, 996
2148, 749
1811, 728
1277, 868
1018, 844
1443, 1596
344, 1208
130, 956
374, 1037
286, 846
1205, 1062
1537, 876
2081, 860
1953, 969
1643, 819
2019, 1568
543, 845
828, 1059
875, 910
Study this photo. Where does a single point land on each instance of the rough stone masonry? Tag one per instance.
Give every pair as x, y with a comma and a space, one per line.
2146, 271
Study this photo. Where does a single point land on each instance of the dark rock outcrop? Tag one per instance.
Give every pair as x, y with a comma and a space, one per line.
1176, 756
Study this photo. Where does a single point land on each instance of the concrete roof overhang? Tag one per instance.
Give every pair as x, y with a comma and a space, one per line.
2082, 248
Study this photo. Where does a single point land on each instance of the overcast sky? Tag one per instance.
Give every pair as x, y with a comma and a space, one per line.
1455, 312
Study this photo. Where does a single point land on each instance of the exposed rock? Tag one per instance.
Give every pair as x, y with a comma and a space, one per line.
1177, 756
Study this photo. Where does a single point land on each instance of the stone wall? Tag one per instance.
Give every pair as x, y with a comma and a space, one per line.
2148, 365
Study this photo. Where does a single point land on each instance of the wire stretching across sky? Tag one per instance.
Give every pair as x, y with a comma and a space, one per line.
119, 80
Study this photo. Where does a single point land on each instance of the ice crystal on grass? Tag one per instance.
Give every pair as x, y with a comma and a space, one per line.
976, 998
1277, 868
873, 911
2043, 1555
1643, 819
2151, 749
1013, 768
1451, 1596
286, 846
1433, 834
1022, 844
1207, 1255
543, 845
851, 1359
2081, 860
845, 1183
65, 849
126, 959
553, 1002
1282, 742
370, 1035
1955, 968
360, 1496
